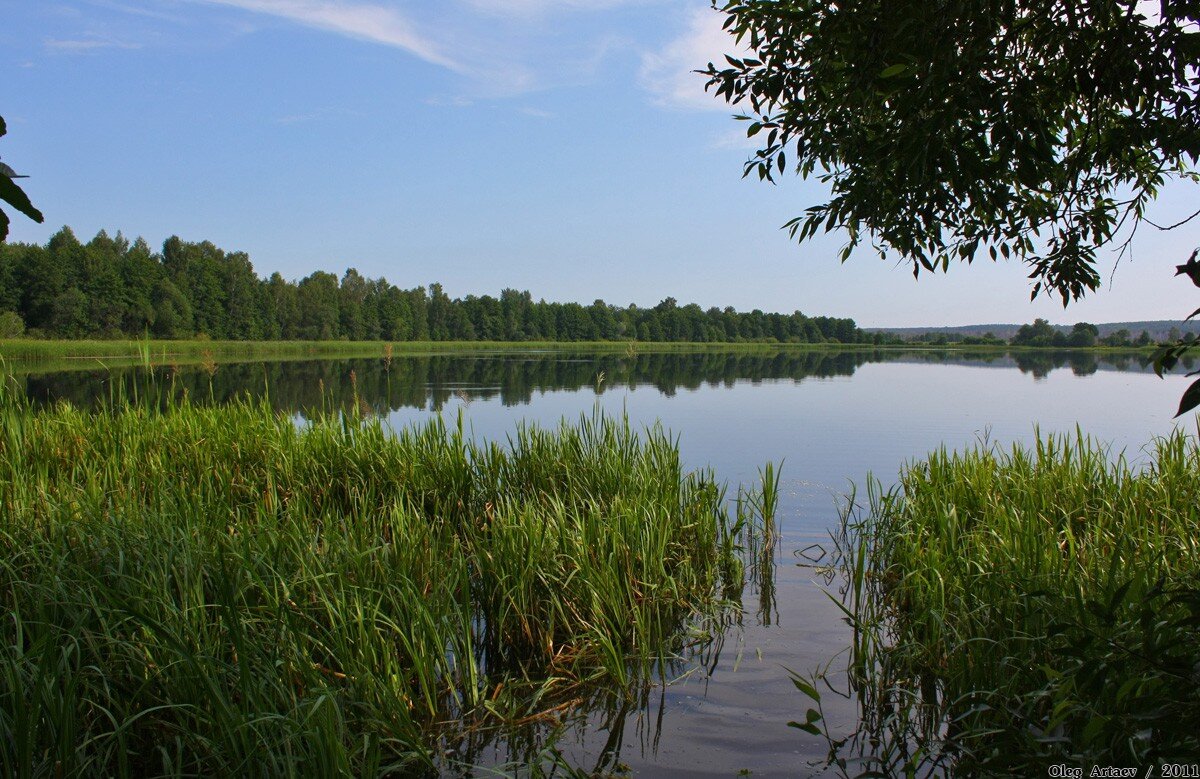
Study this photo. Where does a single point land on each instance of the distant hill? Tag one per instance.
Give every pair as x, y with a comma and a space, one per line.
1158, 329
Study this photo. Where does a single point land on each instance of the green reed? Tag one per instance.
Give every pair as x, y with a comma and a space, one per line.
126, 351
197, 590
1022, 607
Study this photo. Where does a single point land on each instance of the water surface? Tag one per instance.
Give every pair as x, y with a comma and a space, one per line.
831, 418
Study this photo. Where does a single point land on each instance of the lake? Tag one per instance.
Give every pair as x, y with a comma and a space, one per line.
829, 418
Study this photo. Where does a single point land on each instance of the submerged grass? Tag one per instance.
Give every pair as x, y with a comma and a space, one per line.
223, 591
1022, 607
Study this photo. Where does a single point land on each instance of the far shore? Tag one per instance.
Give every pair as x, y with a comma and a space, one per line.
43, 348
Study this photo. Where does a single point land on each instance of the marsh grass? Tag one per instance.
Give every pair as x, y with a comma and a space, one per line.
1018, 608
181, 352
219, 590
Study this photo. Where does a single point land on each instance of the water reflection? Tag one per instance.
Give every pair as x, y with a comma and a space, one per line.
597, 732
430, 382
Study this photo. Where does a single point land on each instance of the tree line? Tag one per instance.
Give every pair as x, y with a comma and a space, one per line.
1042, 334
110, 287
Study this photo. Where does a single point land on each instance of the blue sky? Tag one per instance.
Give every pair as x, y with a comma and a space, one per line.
559, 146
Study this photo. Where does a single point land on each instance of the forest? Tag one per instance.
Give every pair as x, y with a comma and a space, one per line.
110, 287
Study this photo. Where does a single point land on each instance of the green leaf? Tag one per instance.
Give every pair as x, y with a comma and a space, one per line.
807, 727
1190, 399
16, 197
3, 226
893, 70
1189, 316
806, 688
3, 127
1094, 728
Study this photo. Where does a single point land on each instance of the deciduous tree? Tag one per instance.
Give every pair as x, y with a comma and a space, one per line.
1032, 129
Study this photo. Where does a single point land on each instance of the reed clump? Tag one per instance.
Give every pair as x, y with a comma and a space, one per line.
1019, 608
218, 590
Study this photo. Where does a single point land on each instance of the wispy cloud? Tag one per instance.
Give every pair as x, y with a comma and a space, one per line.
375, 23
133, 10
669, 73
318, 115
500, 48
540, 7
86, 45
735, 139
451, 101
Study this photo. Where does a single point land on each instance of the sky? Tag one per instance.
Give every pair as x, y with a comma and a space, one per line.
559, 146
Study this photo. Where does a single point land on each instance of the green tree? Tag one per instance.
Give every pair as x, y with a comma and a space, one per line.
242, 297
172, 312
42, 275
69, 314
418, 306
101, 282
11, 325
574, 324
12, 194
285, 305
317, 299
1032, 129
515, 308
1118, 338
10, 293
459, 323
438, 313
1083, 334
351, 302
140, 271
1040, 333
201, 272
395, 315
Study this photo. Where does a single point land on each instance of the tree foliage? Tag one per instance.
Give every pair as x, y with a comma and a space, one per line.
12, 194
110, 287
1032, 129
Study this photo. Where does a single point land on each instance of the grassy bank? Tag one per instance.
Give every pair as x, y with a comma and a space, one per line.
1020, 608
218, 591
175, 352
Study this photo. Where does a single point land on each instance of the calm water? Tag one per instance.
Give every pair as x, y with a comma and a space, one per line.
830, 418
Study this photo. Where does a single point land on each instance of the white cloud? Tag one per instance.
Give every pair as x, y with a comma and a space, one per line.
669, 74
374, 23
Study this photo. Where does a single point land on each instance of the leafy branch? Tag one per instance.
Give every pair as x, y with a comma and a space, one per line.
12, 194
1168, 356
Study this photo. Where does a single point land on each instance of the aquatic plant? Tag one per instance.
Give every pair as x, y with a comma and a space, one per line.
1018, 608
223, 590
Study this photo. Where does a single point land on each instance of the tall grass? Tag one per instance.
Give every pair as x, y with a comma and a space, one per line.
1022, 607
222, 591
179, 352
